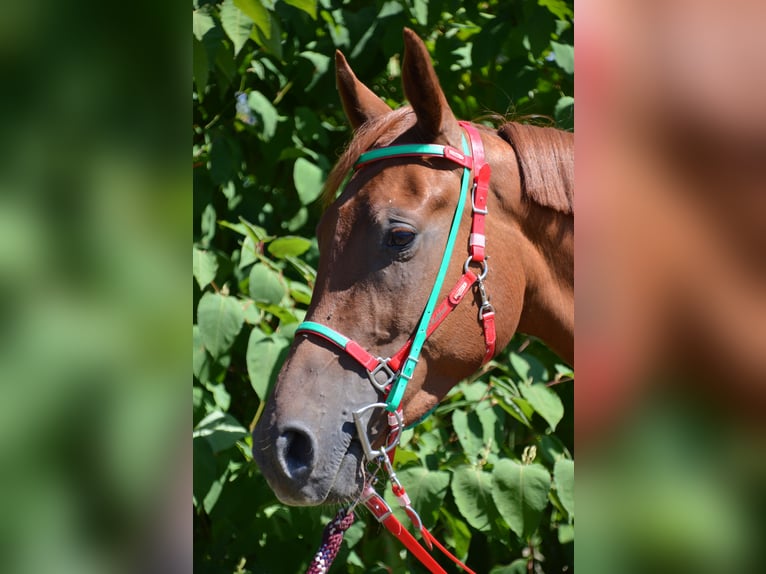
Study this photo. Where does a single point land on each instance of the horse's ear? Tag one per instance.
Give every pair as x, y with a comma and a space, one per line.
359, 102
422, 89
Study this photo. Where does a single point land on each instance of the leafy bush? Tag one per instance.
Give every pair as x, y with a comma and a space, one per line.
491, 471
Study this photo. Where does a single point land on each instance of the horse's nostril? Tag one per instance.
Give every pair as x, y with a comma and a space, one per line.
295, 449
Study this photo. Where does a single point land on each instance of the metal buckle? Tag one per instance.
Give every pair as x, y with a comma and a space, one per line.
482, 263
382, 367
473, 202
361, 432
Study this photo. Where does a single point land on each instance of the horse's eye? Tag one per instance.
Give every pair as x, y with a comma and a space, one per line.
400, 237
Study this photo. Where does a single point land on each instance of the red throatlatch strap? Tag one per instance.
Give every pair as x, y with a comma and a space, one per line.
482, 173
490, 336
451, 301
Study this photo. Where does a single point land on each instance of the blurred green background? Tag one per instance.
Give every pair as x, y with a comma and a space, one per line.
95, 200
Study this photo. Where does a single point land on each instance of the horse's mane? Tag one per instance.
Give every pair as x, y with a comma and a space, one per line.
545, 156
546, 163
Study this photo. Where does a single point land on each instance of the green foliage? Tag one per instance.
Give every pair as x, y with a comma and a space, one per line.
267, 128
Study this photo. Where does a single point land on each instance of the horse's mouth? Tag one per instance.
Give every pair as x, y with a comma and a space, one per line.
348, 481
339, 480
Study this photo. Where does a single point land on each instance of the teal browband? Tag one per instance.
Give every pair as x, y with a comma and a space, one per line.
404, 375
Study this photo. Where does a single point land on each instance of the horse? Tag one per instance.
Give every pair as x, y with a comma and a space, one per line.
384, 244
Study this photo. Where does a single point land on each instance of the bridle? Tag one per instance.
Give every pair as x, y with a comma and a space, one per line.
390, 376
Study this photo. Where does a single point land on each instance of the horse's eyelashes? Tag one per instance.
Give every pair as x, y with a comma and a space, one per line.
400, 237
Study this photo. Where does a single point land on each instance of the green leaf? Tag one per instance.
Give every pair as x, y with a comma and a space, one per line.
308, 6
308, 180
469, 432
265, 285
266, 112
272, 42
200, 66
205, 470
248, 254
564, 54
550, 449
558, 8
308, 273
528, 367
420, 11
472, 490
258, 13
207, 225
200, 360
300, 292
225, 159
204, 266
426, 489
563, 478
490, 419
264, 355
521, 494
545, 402
457, 534
564, 114
518, 566
221, 430
202, 22
474, 392
289, 245
321, 63
236, 24
519, 409
221, 396
220, 319
566, 533
284, 315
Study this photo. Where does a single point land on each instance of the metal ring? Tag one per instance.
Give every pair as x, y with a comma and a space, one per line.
361, 431
484, 267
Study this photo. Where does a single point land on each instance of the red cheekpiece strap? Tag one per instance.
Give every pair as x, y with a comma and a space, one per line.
482, 174
451, 301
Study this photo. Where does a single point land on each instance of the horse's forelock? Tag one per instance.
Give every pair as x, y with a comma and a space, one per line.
546, 163
378, 132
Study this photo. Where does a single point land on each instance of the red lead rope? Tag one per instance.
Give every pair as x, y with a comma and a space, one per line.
382, 513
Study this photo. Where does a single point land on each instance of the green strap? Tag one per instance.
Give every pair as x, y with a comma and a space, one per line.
325, 332
397, 391
400, 150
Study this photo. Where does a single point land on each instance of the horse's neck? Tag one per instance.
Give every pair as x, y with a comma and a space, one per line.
548, 311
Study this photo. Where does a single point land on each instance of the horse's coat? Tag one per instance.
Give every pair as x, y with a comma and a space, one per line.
381, 242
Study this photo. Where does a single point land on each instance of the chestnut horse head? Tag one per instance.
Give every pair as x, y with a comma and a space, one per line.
386, 279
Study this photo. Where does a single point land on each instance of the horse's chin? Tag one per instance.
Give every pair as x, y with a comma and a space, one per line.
327, 485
